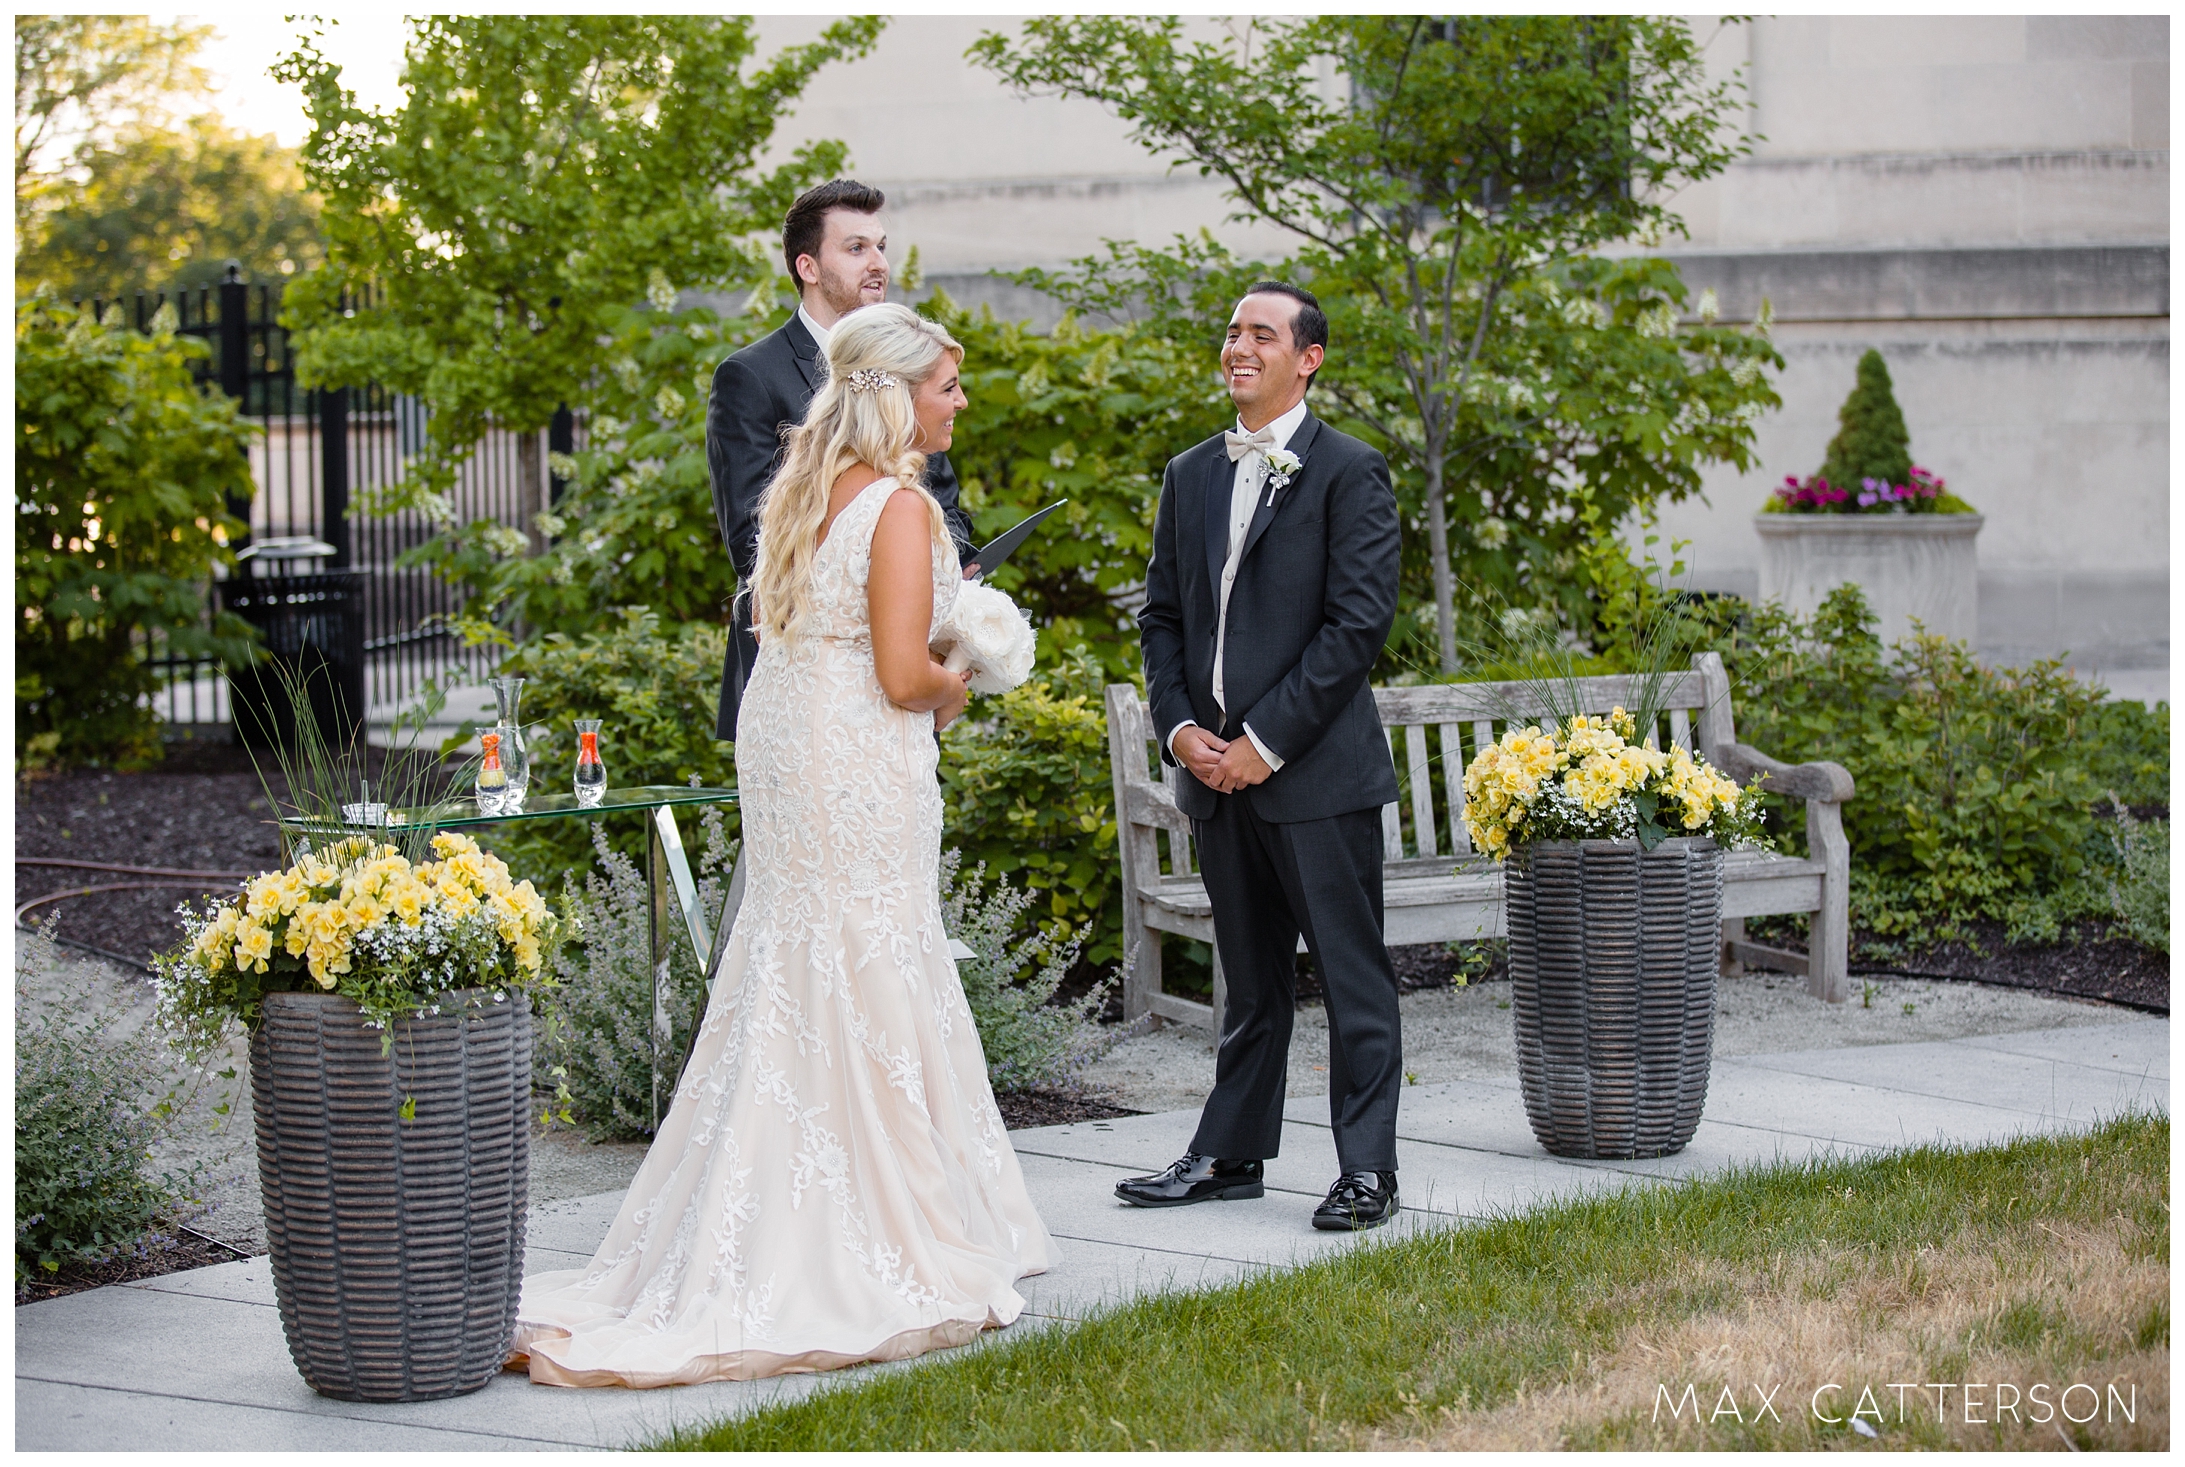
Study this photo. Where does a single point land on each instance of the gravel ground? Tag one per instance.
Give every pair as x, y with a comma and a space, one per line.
1465, 1033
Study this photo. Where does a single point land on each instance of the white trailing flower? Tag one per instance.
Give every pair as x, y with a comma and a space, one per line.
990, 634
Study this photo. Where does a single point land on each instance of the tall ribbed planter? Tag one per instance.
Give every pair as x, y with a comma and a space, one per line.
1613, 954
397, 1245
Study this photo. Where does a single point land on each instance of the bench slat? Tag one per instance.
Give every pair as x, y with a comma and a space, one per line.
1392, 822
1680, 729
1447, 702
1452, 758
1422, 788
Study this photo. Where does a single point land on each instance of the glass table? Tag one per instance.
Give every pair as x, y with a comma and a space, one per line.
667, 870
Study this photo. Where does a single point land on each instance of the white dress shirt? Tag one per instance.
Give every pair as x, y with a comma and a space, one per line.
1244, 487
819, 333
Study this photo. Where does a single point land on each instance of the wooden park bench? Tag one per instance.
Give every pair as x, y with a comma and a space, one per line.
1436, 888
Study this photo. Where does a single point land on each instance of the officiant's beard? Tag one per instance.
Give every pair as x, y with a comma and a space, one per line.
842, 292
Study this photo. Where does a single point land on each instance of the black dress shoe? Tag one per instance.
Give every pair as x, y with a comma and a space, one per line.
1196, 1178
1357, 1201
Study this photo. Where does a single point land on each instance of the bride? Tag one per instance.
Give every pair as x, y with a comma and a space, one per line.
833, 1183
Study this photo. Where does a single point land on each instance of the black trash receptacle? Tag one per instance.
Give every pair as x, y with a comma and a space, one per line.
312, 626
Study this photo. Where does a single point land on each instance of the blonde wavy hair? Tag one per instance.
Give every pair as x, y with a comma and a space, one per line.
845, 426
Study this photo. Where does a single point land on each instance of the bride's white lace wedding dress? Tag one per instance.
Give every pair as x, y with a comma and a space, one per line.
833, 1183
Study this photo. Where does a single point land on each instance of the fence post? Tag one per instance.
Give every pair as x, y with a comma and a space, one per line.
561, 438
235, 363
334, 472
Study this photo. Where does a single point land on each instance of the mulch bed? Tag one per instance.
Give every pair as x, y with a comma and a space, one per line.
203, 809
2089, 964
1023, 1109
185, 1253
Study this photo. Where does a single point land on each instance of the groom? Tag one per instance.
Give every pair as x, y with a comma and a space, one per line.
837, 253
1271, 592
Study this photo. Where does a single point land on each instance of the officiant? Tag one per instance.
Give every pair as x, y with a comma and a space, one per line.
837, 252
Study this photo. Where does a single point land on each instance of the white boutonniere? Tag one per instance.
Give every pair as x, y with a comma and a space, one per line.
1282, 467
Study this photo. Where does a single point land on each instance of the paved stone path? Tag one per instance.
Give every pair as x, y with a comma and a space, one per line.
196, 1361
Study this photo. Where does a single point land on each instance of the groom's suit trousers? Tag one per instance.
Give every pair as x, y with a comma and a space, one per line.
1269, 882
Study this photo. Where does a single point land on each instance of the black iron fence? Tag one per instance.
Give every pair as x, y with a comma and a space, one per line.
314, 456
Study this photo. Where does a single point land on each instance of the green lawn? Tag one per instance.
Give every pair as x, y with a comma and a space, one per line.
2044, 1260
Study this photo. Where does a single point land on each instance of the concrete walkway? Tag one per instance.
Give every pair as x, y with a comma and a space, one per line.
196, 1362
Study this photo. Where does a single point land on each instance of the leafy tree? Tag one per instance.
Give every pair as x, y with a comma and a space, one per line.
1447, 205
1871, 441
168, 209
482, 238
634, 525
123, 471
82, 79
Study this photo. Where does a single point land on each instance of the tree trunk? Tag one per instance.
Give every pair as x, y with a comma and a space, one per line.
1437, 544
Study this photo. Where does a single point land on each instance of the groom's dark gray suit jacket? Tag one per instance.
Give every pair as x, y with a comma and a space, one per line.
758, 394
1310, 610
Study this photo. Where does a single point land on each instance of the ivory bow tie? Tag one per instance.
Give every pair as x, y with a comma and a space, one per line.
1241, 444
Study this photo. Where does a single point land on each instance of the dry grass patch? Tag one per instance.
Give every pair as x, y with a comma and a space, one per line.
2002, 1314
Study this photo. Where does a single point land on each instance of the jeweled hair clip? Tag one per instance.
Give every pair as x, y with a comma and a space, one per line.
868, 379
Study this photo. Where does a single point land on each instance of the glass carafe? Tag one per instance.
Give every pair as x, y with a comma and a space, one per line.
515, 757
591, 778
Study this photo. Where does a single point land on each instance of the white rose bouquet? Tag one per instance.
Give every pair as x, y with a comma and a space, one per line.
990, 634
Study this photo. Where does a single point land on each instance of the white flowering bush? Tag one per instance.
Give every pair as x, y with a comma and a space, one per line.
1584, 779
363, 921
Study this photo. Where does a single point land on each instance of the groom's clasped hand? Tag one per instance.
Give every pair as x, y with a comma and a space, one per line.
1270, 594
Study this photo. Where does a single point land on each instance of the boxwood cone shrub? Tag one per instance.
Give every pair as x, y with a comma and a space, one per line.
90, 1105
1871, 440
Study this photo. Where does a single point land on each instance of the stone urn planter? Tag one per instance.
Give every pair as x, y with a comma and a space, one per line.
1613, 955
397, 1243
1910, 566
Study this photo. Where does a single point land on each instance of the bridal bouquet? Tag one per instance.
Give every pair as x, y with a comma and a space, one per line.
1586, 780
363, 922
988, 633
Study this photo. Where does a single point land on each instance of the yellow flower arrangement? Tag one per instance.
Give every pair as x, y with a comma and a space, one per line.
1587, 779
362, 920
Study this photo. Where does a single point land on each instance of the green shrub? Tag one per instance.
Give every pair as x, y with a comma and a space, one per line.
123, 472
656, 689
2128, 751
89, 1108
1976, 785
1030, 797
595, 1023
1031, 1042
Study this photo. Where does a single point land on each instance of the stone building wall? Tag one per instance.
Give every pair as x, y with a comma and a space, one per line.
1984, 199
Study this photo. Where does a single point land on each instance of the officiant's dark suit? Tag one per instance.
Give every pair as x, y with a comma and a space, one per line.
758, 395
1310, 606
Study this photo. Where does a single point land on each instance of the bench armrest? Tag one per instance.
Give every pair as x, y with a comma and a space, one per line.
1819, 780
